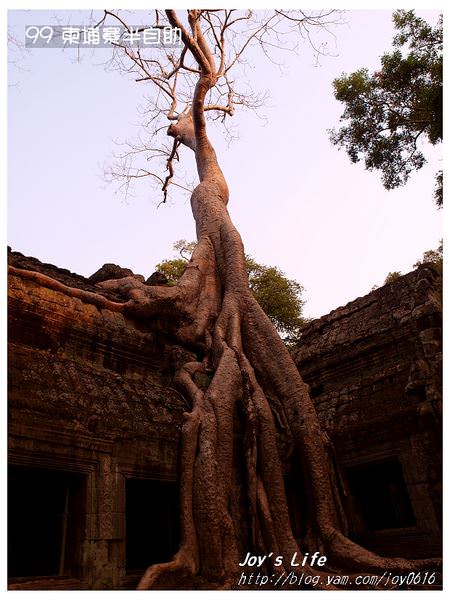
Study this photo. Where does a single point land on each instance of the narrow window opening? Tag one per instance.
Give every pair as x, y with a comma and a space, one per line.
381, 496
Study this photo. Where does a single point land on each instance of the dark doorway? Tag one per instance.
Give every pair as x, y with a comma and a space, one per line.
152, 522
44, 526
381, 496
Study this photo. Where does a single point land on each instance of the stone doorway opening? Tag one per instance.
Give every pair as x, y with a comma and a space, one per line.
381, 496
152, 522
45, 522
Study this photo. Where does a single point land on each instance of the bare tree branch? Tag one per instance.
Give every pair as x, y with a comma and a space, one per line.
214, 44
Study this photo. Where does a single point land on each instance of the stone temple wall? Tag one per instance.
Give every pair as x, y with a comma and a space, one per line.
93, 441
94, 428
375, 372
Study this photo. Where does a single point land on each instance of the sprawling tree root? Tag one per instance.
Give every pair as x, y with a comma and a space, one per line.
53, 284
253, 375
251, 365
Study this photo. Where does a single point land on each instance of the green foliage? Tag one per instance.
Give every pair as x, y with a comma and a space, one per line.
185, 248
432, 256
173, 269
278, 296
386, 112
439, 189
392, 276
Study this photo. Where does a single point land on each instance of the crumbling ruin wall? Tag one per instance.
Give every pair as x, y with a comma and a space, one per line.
94, 427
374, 368
91, 411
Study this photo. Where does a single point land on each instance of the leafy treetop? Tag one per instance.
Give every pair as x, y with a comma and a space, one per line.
279, 297
432, 256
388, 111
392, 276
429, 256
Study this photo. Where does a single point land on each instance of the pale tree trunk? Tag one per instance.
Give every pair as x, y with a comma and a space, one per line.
253, 375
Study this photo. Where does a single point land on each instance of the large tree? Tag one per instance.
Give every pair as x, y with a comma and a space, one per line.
279, 297
388, 111
250, 416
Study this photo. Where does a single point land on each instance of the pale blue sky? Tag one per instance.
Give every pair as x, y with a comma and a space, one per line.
297, 201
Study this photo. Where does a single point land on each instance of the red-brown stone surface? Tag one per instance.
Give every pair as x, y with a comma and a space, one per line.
90, 395
374, 368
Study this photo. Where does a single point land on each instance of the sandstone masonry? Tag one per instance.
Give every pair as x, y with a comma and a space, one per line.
94, 428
